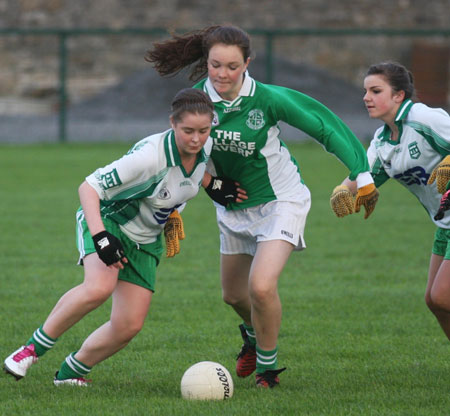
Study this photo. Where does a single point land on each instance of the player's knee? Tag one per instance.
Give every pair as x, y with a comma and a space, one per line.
438, 302
231, 299
428, 301
96, 295
126, 330
262, 293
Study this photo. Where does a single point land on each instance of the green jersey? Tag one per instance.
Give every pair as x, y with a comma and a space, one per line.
247, 147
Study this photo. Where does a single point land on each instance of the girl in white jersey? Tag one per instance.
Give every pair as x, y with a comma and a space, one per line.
125, 206
259, 233
412, 147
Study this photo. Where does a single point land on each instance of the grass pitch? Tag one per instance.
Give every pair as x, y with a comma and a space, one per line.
356, 336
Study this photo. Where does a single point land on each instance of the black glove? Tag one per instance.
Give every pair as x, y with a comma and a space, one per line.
222, 190
108, 247
443, 206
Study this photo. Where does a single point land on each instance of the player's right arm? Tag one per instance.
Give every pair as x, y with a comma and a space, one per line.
90, 203
108, 247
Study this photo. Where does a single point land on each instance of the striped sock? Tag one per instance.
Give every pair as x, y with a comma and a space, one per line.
72, 368
266, 360
42, 342
250, 333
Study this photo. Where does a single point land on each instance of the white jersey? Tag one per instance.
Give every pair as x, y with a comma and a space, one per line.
140, 190
424, 140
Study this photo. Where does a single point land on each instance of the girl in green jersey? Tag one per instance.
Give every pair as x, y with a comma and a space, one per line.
259, 229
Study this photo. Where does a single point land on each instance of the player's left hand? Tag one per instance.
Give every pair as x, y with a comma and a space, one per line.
224, 190
441, 174
173, 233
368, 196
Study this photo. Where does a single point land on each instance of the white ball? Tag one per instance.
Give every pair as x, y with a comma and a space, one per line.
207, 380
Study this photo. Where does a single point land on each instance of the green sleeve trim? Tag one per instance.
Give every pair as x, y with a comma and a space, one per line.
143, 189
436, 141
378, 173
120, 211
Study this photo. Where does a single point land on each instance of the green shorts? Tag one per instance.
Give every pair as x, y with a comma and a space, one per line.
142, 258
441, 246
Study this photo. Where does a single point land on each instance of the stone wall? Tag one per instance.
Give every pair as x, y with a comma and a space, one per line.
29, 69
246, 13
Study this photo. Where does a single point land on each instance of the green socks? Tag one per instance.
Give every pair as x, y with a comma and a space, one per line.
266, 360
250, 333
72, 368
42, 342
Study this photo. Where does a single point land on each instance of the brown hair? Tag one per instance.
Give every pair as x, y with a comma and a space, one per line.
169, 57
397, 76
191, 100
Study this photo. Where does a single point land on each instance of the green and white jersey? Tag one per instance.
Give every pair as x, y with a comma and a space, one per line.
140, 190
247, 147
424, 140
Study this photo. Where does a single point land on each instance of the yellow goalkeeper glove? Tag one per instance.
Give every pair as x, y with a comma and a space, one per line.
441, 173
341, 201
368, 196
173, 233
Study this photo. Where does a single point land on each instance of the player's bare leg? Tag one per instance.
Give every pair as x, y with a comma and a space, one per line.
129, 310
235, 270
268, 263
99, 283
437, 295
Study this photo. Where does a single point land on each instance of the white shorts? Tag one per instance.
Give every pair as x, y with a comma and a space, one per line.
241, 230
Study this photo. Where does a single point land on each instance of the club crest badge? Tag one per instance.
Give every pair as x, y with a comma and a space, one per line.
414, 150
215, 121
255, 119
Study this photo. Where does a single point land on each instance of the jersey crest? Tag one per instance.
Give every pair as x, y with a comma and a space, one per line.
215, 121
255, 119
414, 150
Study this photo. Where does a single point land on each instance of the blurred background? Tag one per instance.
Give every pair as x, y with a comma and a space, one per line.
75, 71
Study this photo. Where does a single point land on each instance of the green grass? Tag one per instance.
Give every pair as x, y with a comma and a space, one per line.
356, 337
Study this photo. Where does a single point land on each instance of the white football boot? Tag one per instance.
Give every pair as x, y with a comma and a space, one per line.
71, 381
20, 361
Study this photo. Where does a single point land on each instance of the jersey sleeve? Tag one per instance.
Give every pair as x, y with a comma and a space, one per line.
316, 120
377, 171
130, 177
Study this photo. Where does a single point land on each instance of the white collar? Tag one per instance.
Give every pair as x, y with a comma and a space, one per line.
247, 89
